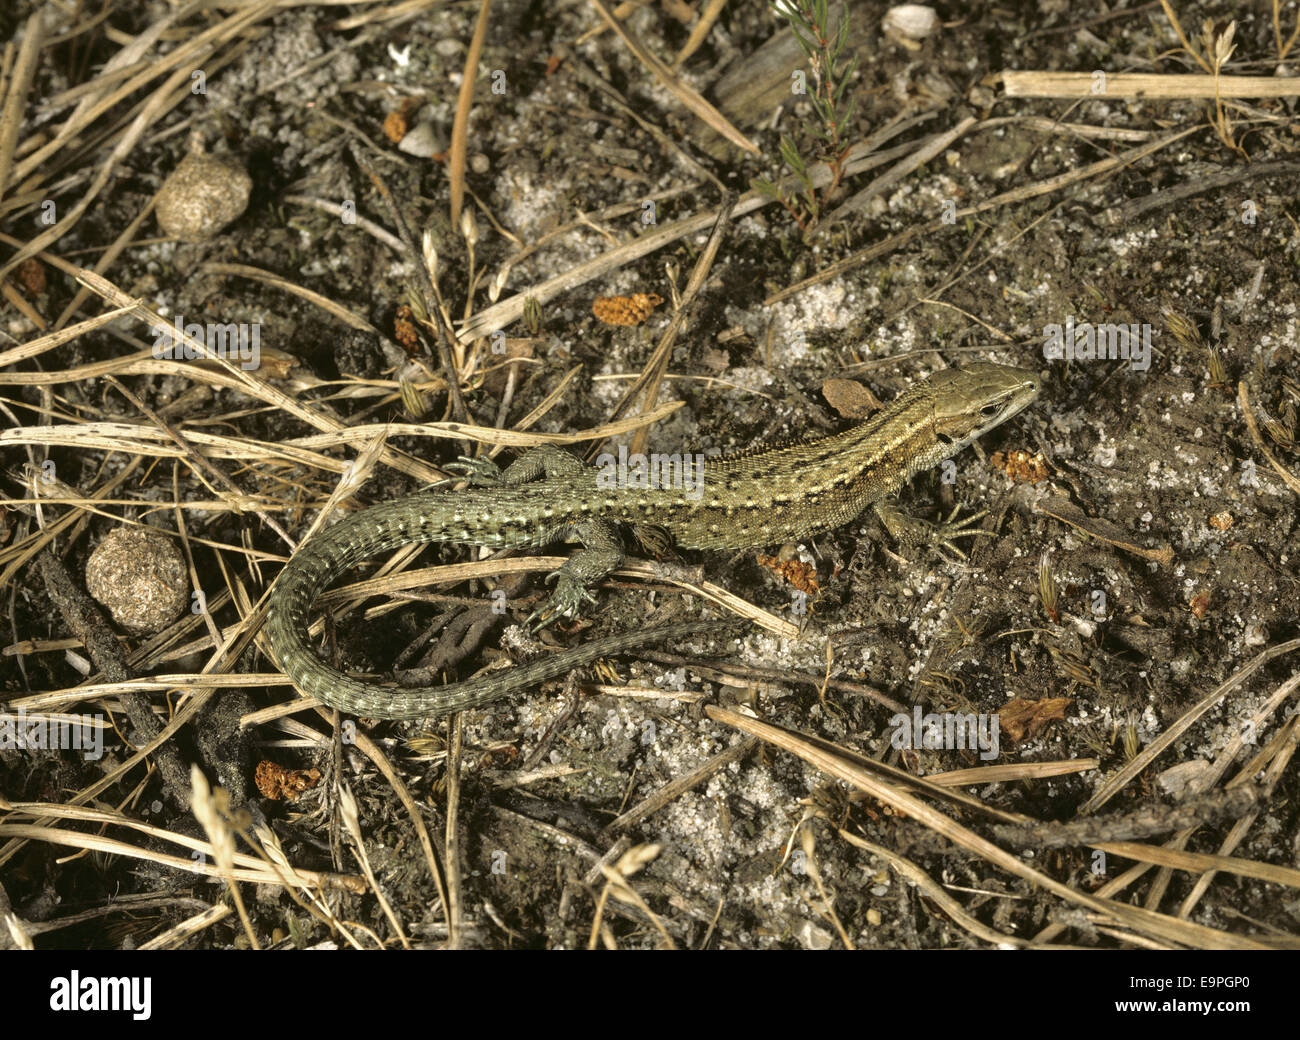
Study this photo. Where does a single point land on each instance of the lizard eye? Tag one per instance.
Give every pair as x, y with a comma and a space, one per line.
990, 410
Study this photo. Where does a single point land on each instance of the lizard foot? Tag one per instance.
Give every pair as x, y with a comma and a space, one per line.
943, 533
568, 597
480, 472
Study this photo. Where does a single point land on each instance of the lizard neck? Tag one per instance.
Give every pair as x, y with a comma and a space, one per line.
887, 448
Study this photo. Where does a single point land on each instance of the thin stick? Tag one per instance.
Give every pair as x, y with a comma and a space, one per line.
1146, 85
460, 128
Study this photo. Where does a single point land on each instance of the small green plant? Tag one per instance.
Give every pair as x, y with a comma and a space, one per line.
831, 73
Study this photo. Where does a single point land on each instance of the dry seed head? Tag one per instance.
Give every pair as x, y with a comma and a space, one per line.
1047, 587
1218, 44
415, 403
498, 283
1184, 330
430, 253
532, 315
416, 302
469, 227
635, 858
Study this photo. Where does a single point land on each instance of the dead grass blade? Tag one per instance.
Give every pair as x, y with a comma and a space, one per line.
685, 94
1007, 198
1201, 861
1243, 401
510, 310
245, 867
344, 314
20, 82
464, 103
179, 933
936, 892
1147, 86
1013, 773
1278, 755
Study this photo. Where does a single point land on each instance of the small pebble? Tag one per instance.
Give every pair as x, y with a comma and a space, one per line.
422, 142
139, 576
202, 195
908, 24
479, 163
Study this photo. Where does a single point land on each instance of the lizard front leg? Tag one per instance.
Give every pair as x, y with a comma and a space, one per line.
602, 548
541, 460
912, 530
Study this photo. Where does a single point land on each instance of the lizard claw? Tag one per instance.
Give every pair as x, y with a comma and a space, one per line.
942, 534
568, 596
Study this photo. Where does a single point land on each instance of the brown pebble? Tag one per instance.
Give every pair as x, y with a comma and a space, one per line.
395, 126
140, 578
202, 195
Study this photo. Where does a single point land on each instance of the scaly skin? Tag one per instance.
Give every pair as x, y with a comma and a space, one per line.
756, 498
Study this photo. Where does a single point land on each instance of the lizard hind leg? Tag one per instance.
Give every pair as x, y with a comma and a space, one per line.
602, 552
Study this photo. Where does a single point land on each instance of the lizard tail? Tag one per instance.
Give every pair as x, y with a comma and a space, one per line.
366, 534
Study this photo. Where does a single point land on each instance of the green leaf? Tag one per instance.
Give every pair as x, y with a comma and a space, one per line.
791, 156
842, 32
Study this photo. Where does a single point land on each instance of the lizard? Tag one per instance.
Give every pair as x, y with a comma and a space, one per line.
750, 499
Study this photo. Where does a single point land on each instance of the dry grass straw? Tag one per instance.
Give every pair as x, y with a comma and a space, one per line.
180, 62
464, 103
1144, 85
686, 95
19, 83
237, 865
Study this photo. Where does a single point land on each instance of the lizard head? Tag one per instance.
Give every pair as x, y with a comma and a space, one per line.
970, 401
